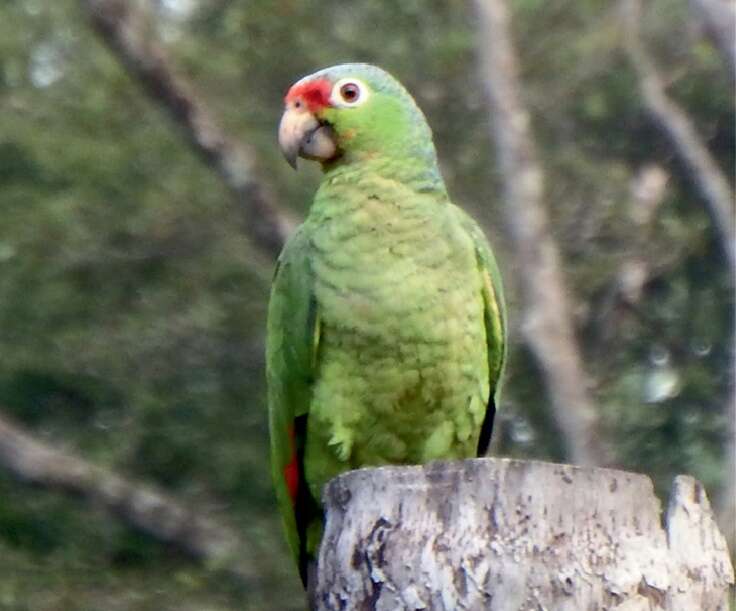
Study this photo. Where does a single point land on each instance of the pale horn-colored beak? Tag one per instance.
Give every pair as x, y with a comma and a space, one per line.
302, 135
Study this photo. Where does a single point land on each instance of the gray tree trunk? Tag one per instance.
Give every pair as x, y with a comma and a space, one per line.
546, 306
510, 535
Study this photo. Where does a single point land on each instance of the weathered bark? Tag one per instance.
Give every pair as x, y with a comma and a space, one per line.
682, 134
121, 26
507, 535
142, 507
719, 19
546, 314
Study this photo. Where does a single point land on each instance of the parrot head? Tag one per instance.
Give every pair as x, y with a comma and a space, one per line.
351, 112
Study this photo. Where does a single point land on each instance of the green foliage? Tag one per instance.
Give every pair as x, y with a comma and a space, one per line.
132, 306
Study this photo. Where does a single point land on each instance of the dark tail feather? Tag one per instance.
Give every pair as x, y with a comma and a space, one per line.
306, 509
487, 429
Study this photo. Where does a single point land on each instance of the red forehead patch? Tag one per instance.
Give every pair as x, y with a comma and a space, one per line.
314, 94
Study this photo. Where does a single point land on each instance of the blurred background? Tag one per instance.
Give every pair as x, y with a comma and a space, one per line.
143, 199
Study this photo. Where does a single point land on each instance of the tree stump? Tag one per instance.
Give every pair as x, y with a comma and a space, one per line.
510, 535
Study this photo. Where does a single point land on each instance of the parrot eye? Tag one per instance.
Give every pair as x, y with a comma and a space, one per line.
350, 92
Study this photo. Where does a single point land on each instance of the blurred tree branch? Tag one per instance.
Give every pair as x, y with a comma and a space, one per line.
682, 134
121, 26
719, 19
712, 184
142, 507
640, 262
547, 323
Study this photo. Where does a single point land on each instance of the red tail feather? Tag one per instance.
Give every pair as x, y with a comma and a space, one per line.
291, 470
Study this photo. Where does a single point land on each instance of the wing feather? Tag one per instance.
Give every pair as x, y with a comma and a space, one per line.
495, 321
291, 345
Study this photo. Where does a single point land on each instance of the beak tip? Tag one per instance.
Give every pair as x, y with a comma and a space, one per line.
290, 153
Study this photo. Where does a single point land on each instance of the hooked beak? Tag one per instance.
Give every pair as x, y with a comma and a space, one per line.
302, 135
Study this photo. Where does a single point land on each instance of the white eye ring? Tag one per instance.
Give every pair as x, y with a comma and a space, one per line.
347, 85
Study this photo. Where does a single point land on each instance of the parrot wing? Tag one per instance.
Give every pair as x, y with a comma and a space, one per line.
494, 318
291, 349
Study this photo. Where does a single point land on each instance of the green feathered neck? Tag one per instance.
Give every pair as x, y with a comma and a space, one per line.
415, 174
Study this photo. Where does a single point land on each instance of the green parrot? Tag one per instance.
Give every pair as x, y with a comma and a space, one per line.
386, 325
